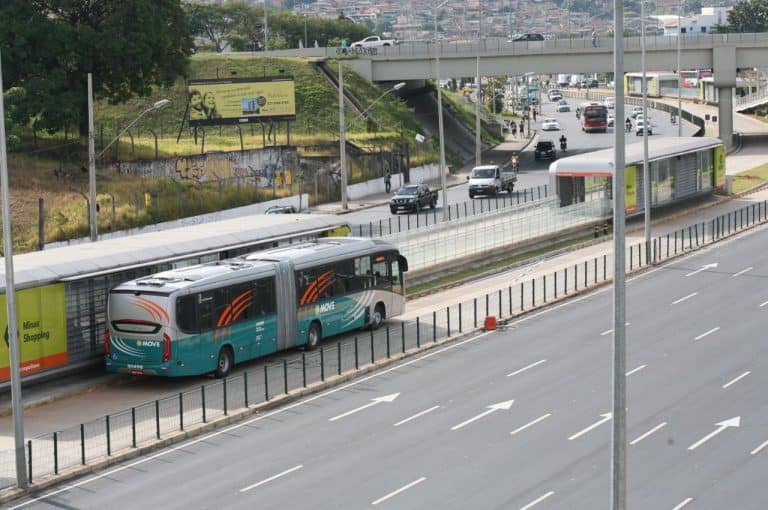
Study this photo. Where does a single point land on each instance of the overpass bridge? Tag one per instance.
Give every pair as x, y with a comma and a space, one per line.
723, 53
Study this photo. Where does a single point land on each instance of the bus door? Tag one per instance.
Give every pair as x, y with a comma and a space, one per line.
285, 286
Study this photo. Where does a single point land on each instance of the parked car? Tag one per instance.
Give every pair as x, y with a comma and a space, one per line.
545, 149
589, 84
526, 37
491, 179
280, 209
563, 106
550, 125
637, 110
610, 103
412, 198
373, 41
640, 125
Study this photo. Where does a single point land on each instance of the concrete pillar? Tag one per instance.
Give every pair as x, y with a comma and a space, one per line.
724, 71
725, 115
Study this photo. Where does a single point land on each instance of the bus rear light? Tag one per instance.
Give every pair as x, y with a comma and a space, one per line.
166, 347
107, 346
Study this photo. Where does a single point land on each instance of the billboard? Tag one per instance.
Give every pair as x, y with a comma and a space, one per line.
41, 317
240, 100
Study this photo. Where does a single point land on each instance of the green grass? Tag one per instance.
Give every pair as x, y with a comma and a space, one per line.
500, 264
749, 179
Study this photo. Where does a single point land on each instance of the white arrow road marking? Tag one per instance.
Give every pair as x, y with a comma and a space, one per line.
417, 415
654, 429
520, 371
373, 402
501, 406
743, 271
713, 330
737, 379
757, 450
684, 298
398, 491
681, 505
530, 424
733, 422
537, 501
636, 370
605, 417
703, 268
275, 477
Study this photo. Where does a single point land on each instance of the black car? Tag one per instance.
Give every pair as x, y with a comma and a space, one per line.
526, 37
280, 209
545, 149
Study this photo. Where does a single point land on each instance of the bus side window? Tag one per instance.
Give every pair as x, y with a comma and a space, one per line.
362, 273
186, 316
381, 271
264, 296
205, 311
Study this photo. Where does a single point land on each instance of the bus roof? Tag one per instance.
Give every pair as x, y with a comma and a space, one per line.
100, 257
327, 249
600, 163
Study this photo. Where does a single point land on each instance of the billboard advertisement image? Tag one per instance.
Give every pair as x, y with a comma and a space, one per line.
40, 313
241, 100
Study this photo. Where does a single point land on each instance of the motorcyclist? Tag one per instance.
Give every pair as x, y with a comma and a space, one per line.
628, 123
672, 118
563, 142
578, 112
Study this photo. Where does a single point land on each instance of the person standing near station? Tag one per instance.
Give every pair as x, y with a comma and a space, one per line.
387, 181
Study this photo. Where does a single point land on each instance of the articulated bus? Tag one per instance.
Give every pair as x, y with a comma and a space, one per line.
205, 318
594, 117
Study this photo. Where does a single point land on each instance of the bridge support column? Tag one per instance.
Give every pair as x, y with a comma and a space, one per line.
725, 115
724, 71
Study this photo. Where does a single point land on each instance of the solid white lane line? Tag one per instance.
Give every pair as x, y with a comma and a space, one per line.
530, 424
757, 450
609, 331
713, 330
287, 471
537, 501
763, 304
654, 429
743, 271
417, 415
737, 379
636, 370
526, 368
684, 298
398, 491
681, 505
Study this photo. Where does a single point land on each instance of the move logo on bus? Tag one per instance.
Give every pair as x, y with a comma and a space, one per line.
330, 306
147, 343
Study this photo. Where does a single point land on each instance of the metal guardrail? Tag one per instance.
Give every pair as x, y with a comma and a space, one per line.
54, 453
457, 211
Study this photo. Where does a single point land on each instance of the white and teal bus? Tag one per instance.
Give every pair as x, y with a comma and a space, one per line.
207, 317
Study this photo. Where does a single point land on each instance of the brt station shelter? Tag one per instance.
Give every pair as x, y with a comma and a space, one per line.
679, 168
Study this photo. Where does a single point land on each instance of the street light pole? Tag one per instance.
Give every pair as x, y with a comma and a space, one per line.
266, 28
440, 118
10, 307
679, 80
93, 219
646, 125
342, 141
478, 140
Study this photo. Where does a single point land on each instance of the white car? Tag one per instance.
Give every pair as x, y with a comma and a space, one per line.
610, 103
611, 119
637, 110
550, 125
563, 106
642, 118
640, 125
373, 41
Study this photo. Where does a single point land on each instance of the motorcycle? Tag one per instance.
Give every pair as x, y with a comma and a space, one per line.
563, 145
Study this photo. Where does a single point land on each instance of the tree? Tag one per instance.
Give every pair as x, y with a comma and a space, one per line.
210, 22
748, 16
130, 46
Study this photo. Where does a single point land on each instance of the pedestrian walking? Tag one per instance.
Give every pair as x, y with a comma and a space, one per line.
387, 181
521, 127
594, 39
534, 114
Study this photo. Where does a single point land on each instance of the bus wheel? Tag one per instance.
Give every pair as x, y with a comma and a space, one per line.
313, 336
379, 314
224, 364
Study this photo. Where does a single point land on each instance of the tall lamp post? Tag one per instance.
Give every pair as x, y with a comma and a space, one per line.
440, 115
646, 125
679, 80
92, 157
10, 304
344, 126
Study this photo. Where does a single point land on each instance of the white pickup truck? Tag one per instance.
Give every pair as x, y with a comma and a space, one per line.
491, 180
373, 41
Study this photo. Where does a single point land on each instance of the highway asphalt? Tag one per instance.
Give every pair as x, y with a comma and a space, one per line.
512, 419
